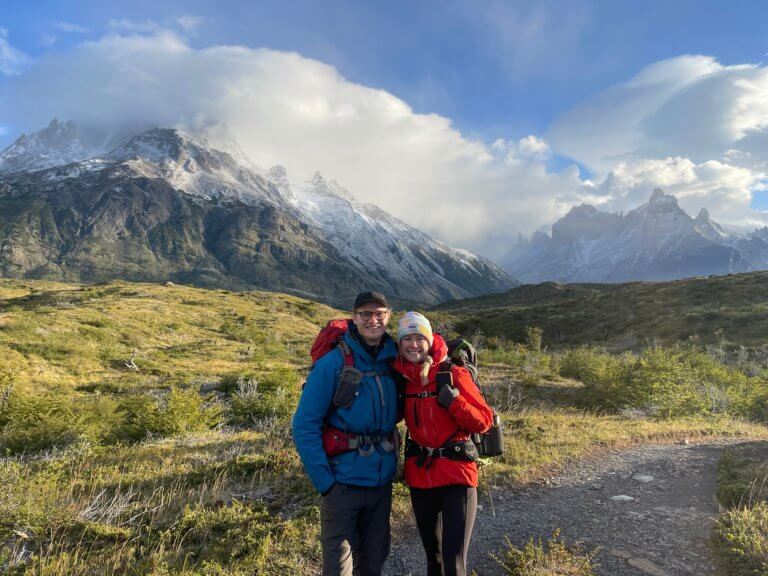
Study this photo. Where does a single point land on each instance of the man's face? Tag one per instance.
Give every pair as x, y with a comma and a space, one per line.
371, 320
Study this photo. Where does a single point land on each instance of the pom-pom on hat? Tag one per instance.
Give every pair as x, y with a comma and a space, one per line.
414, 323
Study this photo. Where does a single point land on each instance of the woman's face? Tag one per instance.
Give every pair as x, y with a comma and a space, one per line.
414, 348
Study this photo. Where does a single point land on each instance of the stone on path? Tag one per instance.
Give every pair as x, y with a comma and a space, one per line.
622, 498
643, 478
648, 567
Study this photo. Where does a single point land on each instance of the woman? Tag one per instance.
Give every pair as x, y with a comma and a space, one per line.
443, 406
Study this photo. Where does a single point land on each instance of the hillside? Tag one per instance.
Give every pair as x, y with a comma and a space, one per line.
734, 307
56, 335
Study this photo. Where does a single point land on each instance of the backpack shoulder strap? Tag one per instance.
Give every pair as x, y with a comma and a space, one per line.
346, 352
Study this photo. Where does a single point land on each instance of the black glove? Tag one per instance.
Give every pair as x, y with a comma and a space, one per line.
447, 395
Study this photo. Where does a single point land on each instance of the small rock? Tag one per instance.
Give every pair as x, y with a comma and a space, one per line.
648, 567
596, 486
622, 498
685, 442
643, 477
623, 554
479, 506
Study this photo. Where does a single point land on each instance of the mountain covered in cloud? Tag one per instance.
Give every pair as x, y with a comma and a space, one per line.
166, 206
656, 241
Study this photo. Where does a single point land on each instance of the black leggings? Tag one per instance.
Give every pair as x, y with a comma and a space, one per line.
445, 517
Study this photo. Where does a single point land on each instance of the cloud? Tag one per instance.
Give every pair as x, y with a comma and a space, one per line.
689, 106
134, 26
283, 108
12, 61
70, 27
725, 190
530, 148
689, 124
190, 23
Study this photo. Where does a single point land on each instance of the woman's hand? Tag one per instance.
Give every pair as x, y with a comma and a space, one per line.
447, 395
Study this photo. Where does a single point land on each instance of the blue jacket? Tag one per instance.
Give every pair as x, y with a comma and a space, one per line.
372, 413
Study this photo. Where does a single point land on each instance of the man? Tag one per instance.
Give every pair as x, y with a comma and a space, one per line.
354, 410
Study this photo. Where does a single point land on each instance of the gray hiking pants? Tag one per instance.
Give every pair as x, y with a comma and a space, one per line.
354, 529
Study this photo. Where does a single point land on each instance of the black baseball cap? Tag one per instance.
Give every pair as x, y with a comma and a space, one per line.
368, 297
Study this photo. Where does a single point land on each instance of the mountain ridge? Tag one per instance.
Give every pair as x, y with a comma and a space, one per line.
655, 241
165, 206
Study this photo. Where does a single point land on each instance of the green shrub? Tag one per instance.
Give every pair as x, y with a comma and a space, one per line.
33, 422
665, 381
533, 338
537, 559
604, 375
273, 395
179, 411
741, 541
740, 480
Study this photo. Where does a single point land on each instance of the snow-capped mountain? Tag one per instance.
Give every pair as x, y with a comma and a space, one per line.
400, 256
657, 241
166, 206
57, 144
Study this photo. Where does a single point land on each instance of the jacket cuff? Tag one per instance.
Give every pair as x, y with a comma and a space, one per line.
456, 406
327, 488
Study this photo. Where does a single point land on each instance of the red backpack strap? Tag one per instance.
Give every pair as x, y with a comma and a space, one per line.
346, 352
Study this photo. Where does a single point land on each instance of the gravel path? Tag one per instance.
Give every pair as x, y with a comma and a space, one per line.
659, 526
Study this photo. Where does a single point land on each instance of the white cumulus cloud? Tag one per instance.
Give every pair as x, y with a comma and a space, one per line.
695, 127
283, 108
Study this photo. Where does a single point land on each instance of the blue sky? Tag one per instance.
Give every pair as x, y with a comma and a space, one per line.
457, 59
493, 70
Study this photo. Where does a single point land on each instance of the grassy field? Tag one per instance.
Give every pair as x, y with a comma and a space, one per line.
624, 316
145, 427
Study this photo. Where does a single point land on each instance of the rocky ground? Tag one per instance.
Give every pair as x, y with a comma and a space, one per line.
646, 511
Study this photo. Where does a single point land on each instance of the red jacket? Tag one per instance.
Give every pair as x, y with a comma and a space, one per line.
431, 425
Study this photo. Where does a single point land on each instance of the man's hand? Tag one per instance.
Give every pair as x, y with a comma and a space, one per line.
447, 395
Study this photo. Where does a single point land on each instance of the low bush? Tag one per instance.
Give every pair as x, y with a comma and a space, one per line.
554, 557
34, 422
273, 395
666, 382
741, 540
176, 412
741, 481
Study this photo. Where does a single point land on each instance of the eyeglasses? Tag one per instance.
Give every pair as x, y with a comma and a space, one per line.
379, 315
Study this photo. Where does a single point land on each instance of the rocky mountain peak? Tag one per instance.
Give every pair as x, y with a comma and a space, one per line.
583, 222
157, 145
661, 201
278, 175
703, 217
707, 228
57, 144
320, 186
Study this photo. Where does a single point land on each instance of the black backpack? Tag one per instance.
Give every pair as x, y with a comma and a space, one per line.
462, 353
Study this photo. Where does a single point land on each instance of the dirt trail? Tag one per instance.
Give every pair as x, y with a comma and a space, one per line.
659, 526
